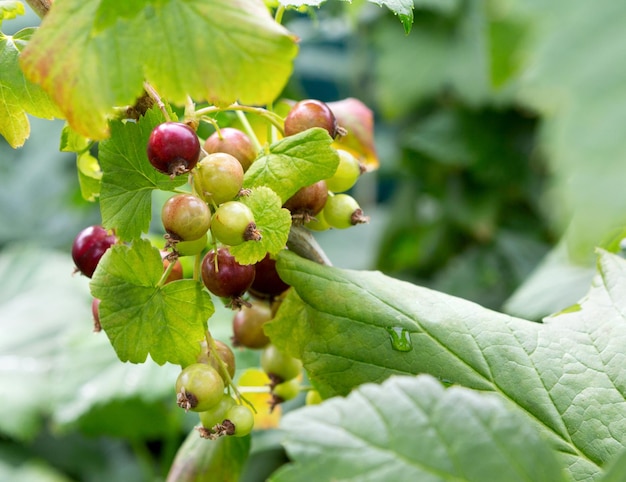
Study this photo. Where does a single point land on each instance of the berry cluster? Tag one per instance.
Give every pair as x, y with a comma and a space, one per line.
207, 222
318, 206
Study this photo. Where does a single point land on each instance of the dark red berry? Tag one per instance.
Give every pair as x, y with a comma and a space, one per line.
267, 283
89, 246
225, 277
310, 113
173, 148
234, 142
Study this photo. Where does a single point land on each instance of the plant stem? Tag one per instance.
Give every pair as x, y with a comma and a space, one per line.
249, 130
157, 98
40, 7
272, 117
304, 244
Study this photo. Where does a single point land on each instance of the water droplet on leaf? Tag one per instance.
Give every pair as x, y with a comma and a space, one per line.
400, 338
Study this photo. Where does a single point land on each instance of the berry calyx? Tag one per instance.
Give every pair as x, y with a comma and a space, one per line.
310, 113
199, 387
343, 211
279, 366
248, 325
89, 246
307, 202
212, 418
218, 178
234, 142
225, 277
185, 217
242, 420
173, 148
233, 223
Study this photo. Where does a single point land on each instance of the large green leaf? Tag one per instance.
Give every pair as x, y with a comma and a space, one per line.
566, 374
143, 318
201, 460
18, 96
413, 429
93, 55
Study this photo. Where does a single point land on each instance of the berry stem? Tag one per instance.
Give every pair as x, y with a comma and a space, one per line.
249, 130
166, 273
271, 117
278, 16
157, 98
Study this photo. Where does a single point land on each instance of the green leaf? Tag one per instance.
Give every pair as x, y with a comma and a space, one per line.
413, 429
221, 51
294, 162
89, 176
128, 178
616, 471
402, 8
272, 221
201, 460
18, 96
142, 318
10, 9
565, 374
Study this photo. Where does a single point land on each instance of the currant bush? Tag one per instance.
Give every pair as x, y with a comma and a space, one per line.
173, 148
89, 246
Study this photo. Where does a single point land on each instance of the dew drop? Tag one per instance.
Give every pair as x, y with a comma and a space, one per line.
400, 339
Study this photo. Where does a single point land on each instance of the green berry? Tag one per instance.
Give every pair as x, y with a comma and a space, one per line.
233, 223
347, 173
343, 211
242, 418
199, 387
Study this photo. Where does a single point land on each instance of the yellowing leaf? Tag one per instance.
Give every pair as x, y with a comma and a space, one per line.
263, 418
93, 55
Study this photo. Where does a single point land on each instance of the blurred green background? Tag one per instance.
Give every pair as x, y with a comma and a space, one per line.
498, 129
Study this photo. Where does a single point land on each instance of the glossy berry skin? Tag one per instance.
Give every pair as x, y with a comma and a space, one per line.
343, 211
310, 113
234, 142
199, 387
233, 223
89, 246
185, 217
347, 173
173, 148
218, 178
248, 325
267, 283
242, 418
278, 365
308, 201
229, 279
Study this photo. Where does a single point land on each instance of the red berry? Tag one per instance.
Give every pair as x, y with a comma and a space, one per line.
267, 283
173, 148
89, 246
310, 113
307, 202
226, 277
